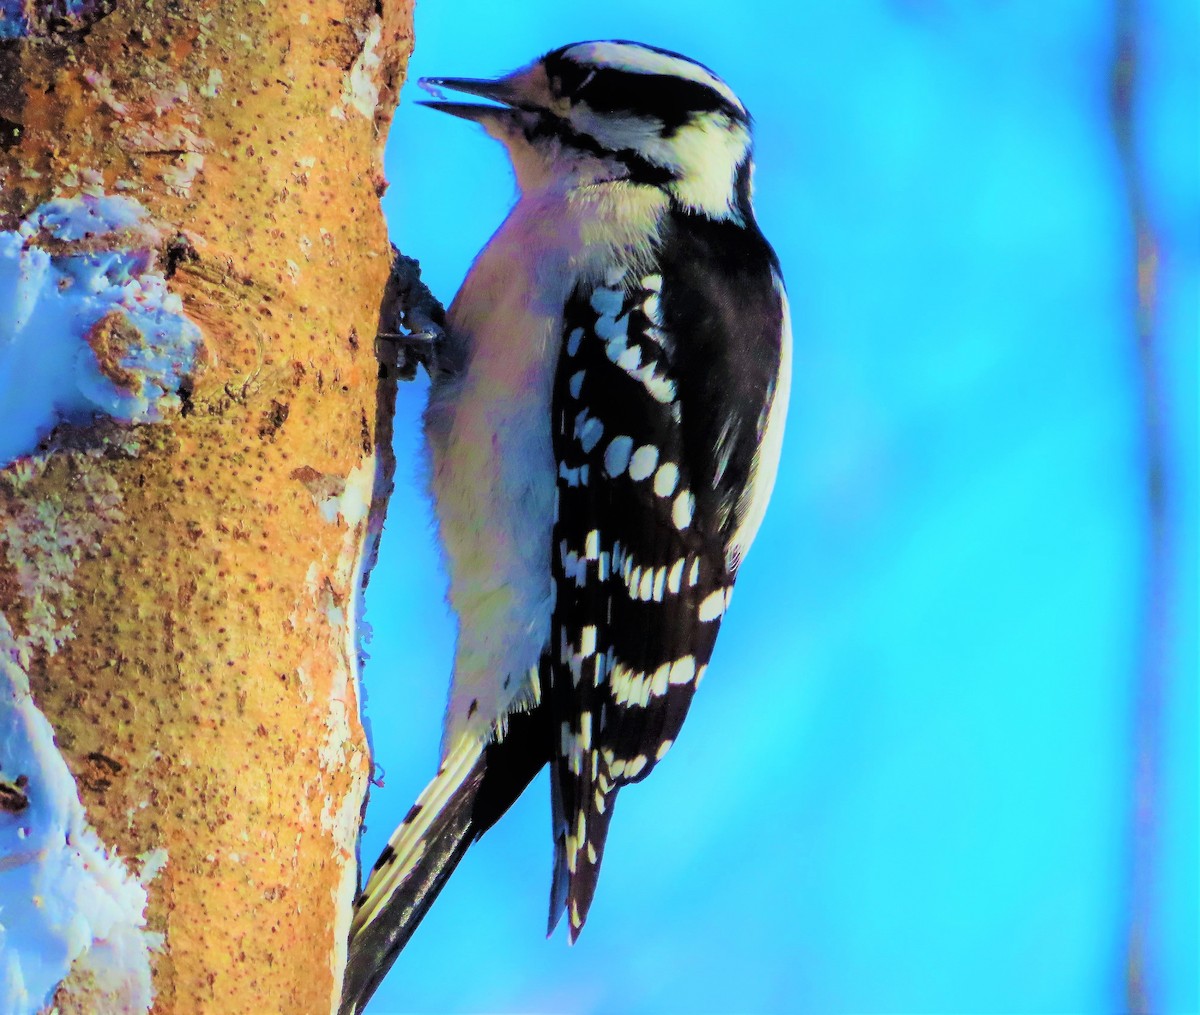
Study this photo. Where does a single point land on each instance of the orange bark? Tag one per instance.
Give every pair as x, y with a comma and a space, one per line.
182, 594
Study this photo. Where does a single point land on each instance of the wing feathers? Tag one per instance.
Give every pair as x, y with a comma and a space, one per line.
661, 393
633, 563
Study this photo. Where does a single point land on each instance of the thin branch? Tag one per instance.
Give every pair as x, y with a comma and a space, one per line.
1152, 669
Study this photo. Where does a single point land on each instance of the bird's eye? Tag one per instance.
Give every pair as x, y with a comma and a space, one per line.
583, 84
572, 79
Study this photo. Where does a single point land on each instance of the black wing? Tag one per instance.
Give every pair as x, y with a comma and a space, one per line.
660, 399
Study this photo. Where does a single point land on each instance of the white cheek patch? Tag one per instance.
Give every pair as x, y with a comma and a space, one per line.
704, 154
708, 154
616, 133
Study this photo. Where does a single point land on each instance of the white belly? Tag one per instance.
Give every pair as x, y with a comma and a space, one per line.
488, 431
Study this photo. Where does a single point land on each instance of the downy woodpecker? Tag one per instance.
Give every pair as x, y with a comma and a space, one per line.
603, 431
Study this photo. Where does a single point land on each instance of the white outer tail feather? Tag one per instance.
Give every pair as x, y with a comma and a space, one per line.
410, 840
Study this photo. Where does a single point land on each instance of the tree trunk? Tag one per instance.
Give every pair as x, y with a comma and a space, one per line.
194, 444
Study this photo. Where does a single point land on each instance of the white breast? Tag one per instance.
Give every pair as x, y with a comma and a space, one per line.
492, 470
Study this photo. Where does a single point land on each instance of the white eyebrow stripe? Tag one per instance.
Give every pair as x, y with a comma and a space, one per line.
636, 59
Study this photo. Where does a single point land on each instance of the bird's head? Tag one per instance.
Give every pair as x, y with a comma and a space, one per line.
595, 112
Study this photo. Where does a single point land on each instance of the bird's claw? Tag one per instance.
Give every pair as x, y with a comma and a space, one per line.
408, 351
412, 320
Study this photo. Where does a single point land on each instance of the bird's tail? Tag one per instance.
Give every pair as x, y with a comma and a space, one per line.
475, 784
410, 872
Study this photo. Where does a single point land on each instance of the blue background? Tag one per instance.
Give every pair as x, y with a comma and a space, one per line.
906, 785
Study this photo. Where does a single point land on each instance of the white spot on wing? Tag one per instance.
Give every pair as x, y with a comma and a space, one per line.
658, 683
646, 587
652, 310
712, 606
630, 359
666, 479
676, 575
611, 329
607, 301
683, 670
682, 510
590, 433
643, 462
585, 729
657, 336
616, 455
616, 345
626, 684
662, 389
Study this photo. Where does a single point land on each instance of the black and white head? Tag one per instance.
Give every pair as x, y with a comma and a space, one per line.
594, 112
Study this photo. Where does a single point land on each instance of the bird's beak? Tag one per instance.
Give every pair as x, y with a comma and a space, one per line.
500, 91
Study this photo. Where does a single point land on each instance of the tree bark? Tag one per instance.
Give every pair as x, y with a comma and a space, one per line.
198, 442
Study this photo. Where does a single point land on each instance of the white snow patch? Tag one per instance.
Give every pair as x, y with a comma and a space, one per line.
360, 89
16, 15
353, 501
86, 323
153, 862
65, 900
84, 217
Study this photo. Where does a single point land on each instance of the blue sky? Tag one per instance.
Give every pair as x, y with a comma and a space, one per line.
905, 784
